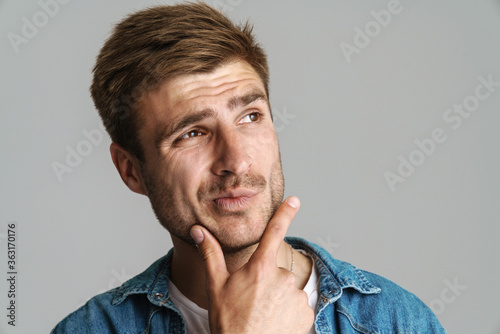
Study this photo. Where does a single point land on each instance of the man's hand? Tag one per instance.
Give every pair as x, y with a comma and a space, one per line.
260, 297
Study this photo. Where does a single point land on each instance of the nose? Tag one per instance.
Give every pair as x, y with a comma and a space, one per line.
231, 154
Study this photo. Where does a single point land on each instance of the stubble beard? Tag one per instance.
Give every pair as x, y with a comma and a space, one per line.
178, 222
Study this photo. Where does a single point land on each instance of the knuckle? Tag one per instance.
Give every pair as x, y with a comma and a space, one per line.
288, 278
260, 269
277, 229
304, 297
207, 253
309, 314
291, 279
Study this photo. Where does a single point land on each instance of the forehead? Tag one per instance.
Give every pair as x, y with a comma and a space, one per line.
193, 89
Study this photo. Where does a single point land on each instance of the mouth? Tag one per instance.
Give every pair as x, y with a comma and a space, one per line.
234, 200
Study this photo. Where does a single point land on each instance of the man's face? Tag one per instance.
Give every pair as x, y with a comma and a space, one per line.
212, 155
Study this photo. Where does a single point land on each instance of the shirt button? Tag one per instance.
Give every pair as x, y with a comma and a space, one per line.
158, 295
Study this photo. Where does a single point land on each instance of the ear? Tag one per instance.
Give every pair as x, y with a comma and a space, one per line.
128, 168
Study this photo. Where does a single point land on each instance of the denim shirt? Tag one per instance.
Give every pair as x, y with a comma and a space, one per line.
350, 301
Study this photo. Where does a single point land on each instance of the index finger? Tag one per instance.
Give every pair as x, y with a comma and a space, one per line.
276, 229
212, 255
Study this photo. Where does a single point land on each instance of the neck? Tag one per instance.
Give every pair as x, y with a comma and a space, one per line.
188, 270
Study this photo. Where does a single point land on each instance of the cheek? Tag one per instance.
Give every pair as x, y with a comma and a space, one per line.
266, 147
185, 172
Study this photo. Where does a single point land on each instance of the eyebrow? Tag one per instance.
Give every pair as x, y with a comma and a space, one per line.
182, 123
191, 118
243, 100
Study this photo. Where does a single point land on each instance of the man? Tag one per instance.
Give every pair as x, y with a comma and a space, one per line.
184, 95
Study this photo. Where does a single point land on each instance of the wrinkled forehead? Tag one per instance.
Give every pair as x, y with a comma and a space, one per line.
192, 90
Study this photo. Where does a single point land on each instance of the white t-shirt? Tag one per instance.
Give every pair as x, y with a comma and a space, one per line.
197, 318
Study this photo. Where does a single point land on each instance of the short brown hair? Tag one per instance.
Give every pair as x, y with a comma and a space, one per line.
153, 45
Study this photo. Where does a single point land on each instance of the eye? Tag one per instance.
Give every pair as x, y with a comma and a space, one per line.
191, 134
251, 118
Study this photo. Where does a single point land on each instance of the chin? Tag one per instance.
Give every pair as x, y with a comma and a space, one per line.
235, 239
233, 247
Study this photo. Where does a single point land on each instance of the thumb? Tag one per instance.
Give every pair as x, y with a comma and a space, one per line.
213, 257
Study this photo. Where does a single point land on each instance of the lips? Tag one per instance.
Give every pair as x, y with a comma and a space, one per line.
234, 200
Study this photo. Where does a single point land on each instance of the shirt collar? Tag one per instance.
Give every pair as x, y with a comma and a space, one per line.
153, 282
334, 275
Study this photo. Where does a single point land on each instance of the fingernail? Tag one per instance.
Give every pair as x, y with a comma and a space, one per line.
197, 235
293, 202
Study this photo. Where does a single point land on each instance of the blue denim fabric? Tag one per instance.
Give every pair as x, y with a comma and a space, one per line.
350, 301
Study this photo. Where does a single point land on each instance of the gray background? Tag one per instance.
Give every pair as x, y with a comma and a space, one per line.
341, 124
